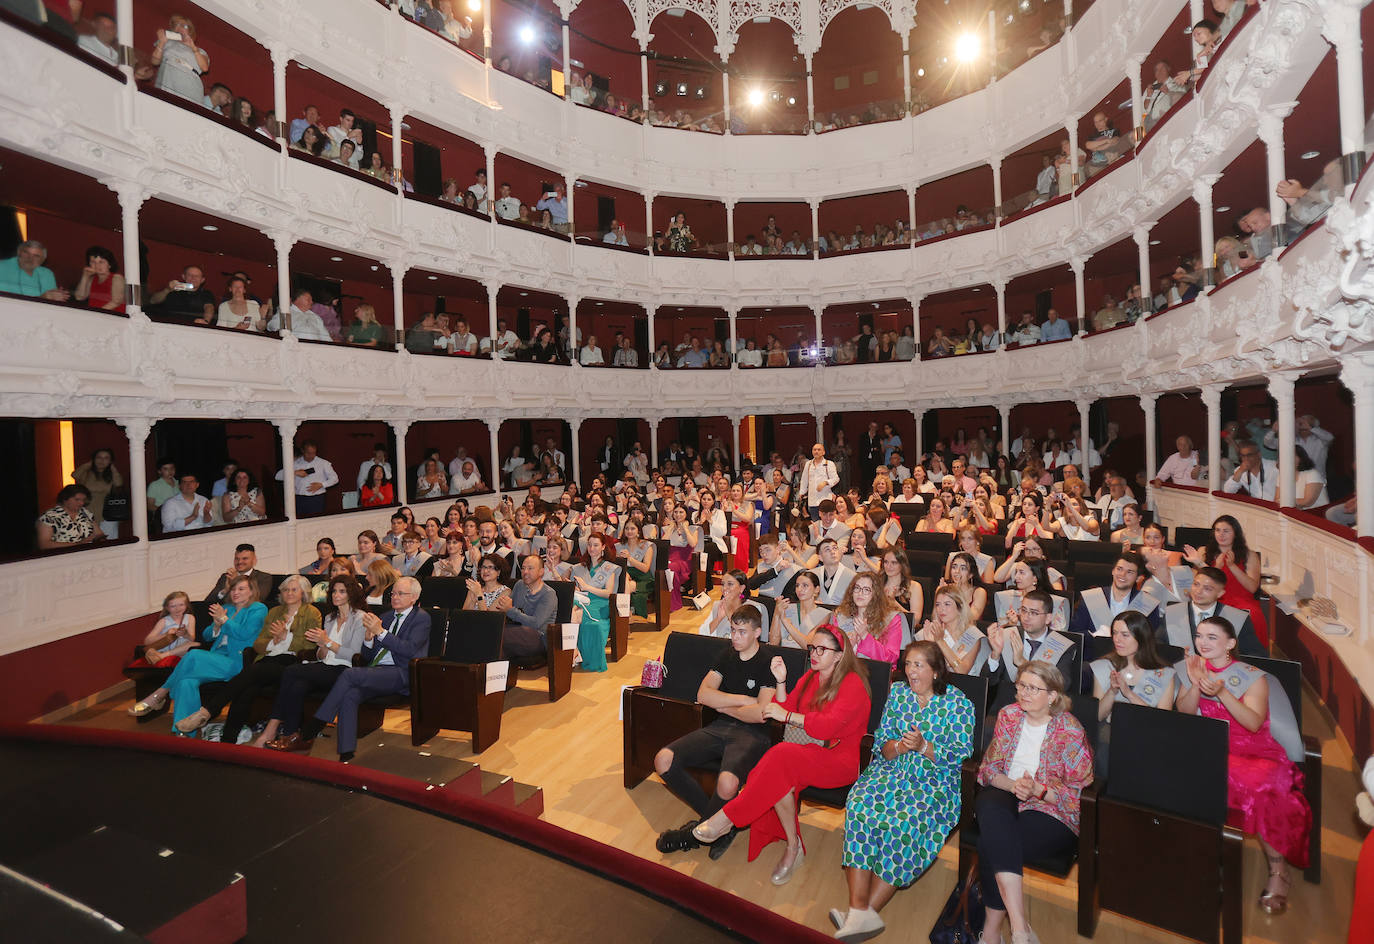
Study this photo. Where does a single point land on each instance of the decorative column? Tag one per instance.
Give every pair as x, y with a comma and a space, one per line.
131, 198
137, 429
916, 332
494, 428
820, 428
493, 287
653, 441
1342, 30
575, 424
816, 310
810, 96
1357, 373
1141, 235
1078, 263
651, 311
1071, 127
286, 429
736, 450
911, 209
1004, 410
732, 315
1000, 287
649, 220
401, 464
283, 242
815, 229
281, 56
124, 25
1084, 450
906, 70
573, 346
644, 77
919, 416
567, 69
397, 111
730, 225
996, 165
1271, 133
398, 274
1147, 406
570, 188
490, 151
1211, 395
1202, 193
1133, 65
1281, 389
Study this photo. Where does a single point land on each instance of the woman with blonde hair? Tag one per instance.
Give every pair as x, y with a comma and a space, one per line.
180, 62
952, 629
172, 635
365, 331
380, 578
871, 619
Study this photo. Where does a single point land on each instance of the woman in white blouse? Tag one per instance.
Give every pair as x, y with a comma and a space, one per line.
431, 482
590, 355
239, 311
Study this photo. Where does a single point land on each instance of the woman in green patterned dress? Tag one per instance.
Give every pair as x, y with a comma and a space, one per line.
906, 803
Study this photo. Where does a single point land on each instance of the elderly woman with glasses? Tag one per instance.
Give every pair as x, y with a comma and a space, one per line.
825, 716
1032, 774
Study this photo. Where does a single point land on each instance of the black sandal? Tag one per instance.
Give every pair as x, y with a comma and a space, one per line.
678, 840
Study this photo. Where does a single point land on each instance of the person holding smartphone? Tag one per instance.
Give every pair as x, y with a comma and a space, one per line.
180, 62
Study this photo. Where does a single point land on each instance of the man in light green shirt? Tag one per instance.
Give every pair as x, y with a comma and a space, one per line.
164, 486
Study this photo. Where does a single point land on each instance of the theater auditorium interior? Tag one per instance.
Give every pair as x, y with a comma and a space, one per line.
605, 605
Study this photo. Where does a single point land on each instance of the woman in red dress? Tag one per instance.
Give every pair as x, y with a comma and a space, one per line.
741, 525
100, 286
831, 705
1263, 783
1228, 553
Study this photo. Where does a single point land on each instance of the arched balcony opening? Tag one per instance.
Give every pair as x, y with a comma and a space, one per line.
875, 439
238, 73
869, 332
604, 59
616, 334
939, 73
609, 216
1043, 431
1023, 30
1162, 91
959, 203
1116, 444
1035, 175
767, 80
869, 221
706, 230
69, 213
351, 448
459, 322
527, 42
951, 323
1311, 153
1176, 266
524, 445
340, 284
342, 113
786, 434
210, 452
529, 314
1106, 137
1240, 203
460, 22
686, 89
773, 230
951, 433
176, 241
444, 167
786, 336
531, 185
685, 336
45, 454
461, 453
858, 71
1029, 300
1111, 286
1181, 413
605, 444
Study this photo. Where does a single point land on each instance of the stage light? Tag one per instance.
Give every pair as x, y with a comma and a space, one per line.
701, 91
660, 88
775, 96
791, 100
475, 6
526, 34
755, 97
920, 73
1025, 6
966, 47
682, 89
1308, 155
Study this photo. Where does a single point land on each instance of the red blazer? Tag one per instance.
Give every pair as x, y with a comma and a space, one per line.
372, 497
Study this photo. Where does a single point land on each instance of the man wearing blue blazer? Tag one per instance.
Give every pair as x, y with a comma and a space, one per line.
1098, 607
392, 640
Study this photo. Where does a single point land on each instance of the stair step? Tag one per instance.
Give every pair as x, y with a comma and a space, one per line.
498, 788
529, 800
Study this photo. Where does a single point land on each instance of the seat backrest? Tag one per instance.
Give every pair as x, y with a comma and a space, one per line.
448, 592
927, 563
1169, 761
1084, 708
474, 636
879, 684
994, 545
928, 541
908, 514
438, 629
1087, 574
975, 687
688, 657
928, 585
1101, 646
565, 590
661, 546
275, 586
1198, 537
795, 659
1093, 551
1285, 714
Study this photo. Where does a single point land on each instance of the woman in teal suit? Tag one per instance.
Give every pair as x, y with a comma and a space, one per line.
232, 630
596, 580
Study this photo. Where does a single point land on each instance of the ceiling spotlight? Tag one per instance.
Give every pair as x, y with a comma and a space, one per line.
374, 268
921, 73
1025, 6
434, 278
336, 258
791, 100
523, 294
944, 60
1223, 209
1308, 155
599, 304
1154, 242
682, 89
1011, 18
475, 6
755, 97
526, 34
660, 88
210, 229
701, 91
966, 47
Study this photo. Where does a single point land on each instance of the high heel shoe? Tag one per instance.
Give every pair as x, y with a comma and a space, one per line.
1272, 900
783, 873
148, 706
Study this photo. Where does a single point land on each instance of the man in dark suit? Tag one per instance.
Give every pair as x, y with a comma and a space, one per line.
245, 564
1181, 619
1099, 606
1016, 641
392, 640
868, 451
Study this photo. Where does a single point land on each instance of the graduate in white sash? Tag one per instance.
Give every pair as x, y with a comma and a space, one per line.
1134, 671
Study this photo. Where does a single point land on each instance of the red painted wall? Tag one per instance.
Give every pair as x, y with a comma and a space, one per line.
751, 218
48, 677
685, 38
629, 209
940, 198
601, 39
236, 59
855, 42
866, 210
705, 217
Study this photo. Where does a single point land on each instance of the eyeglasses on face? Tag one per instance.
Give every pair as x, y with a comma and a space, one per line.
1030, 689
812, 650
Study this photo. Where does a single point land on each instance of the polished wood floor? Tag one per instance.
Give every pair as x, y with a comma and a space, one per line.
573, 750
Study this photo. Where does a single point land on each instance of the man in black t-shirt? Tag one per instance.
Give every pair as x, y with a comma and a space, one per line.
738, 686
186, 299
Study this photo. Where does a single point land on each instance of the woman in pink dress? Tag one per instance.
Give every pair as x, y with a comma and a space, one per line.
871, 619
741, 525
1263, 784
682, 539
1228, 553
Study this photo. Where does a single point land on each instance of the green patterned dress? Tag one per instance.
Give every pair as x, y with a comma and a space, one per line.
901, 810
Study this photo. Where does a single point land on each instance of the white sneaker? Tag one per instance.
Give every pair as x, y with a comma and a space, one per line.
860, 925
837, 917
